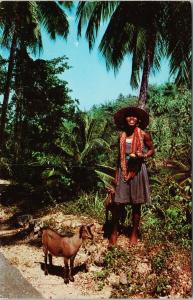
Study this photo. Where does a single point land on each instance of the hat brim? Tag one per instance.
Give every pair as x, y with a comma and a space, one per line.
121, 115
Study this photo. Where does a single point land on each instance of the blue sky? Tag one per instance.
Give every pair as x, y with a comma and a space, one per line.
88, 78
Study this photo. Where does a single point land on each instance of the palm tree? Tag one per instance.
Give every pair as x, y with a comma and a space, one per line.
137, 28
82, 138
21, 24
80, 145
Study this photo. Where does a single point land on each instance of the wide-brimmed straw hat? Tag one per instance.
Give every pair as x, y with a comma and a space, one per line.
140, 113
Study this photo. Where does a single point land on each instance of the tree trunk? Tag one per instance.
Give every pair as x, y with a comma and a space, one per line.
7, 90
149, 55
18, 99
21, 63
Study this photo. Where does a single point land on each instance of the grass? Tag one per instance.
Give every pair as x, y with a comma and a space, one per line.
91, 205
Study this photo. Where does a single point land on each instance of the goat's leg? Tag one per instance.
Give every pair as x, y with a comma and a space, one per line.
45, 260
66, 270
50, 259
71, 277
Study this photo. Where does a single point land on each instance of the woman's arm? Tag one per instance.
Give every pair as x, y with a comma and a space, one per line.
149, 145
148, 142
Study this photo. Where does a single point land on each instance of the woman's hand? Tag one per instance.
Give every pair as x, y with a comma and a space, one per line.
140, 155
111, 190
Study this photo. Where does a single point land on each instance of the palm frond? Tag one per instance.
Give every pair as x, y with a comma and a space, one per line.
89, 147
66, 4
92, 14
179, 42
68, 143
106, 179
5, 37
102, 143
66, 149
83, 13
115, 44
158, 53
53, 18
91, 129
106, 170
95, 129
35, 42
137, 45
100, 13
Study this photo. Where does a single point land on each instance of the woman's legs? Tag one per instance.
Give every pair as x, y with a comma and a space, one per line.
116, 213
115, 223
136, 214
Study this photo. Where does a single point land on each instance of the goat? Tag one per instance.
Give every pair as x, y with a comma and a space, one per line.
55, 244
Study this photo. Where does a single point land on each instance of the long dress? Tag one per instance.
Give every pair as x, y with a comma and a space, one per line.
137, 190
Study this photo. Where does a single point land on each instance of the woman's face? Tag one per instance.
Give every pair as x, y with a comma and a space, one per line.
132, 121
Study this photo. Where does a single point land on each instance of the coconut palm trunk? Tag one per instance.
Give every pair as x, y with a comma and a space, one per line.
148, 61
7, 89
18, 105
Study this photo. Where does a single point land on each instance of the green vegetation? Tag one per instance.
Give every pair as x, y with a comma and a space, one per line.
71, 161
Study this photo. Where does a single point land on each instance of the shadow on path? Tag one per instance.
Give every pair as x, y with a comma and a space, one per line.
59, 270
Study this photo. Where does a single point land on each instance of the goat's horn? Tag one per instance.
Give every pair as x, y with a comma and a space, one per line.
91, 225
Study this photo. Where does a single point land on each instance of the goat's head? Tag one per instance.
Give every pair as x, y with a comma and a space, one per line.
85, 232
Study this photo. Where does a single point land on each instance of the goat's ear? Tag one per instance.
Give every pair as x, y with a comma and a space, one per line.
79, 225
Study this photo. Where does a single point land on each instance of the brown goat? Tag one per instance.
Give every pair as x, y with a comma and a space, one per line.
56, 245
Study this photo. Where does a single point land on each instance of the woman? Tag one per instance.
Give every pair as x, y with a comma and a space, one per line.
132, 184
